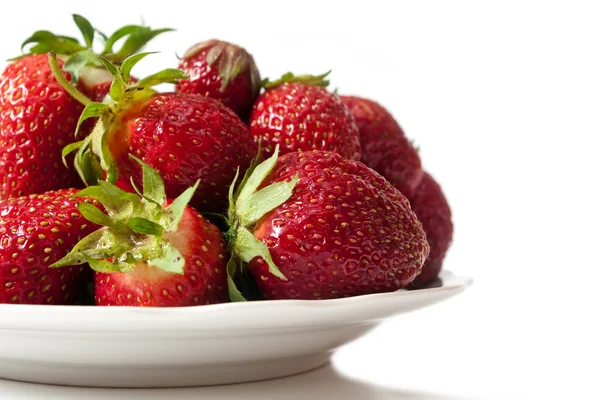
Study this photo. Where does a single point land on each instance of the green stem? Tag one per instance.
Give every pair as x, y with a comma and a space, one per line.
60, 77
316, 80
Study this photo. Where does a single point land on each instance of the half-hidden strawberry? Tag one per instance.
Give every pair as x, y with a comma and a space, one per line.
36, 231
430, 204
151, 250
384, 145
300, 114
314, 225
38, 116
185, 137
223, 71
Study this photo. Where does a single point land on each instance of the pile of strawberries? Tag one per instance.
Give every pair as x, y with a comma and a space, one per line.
229, 188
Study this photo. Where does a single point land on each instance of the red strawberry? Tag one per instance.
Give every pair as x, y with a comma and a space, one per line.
36, 231
185, 137
324, 227
38, 117
201, 139
223, 71
299, 114
152, 251
401, 167
384, 146
431, 206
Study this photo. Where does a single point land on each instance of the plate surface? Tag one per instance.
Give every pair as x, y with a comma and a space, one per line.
193, 346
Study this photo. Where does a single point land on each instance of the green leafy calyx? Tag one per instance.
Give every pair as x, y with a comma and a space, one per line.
134, 228
93, 158
80, 54
246, 206
316, 80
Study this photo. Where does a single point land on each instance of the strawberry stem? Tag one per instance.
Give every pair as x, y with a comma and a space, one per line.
60, 77
246, 206
316, 80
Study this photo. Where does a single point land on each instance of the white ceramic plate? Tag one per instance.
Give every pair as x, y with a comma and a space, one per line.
192, 346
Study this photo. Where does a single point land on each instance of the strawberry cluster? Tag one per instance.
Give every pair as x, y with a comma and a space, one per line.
229, 188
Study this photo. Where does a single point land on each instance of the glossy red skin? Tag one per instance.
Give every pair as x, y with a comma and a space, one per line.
433, 210
185, 137
401, 168
204, 280
384, 145
37, 119
36, 231
304, 117
204, 79
345, 231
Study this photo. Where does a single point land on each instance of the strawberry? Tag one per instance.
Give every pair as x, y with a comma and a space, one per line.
322, 227
151, 251
430, 205
185, 137
38, 116
222, 71
299, 114
401, 167
384, 146
36, 231
37, 119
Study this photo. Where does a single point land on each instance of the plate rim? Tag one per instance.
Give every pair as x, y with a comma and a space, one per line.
18, 316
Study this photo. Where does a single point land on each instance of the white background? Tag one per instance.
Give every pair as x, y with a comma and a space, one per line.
503, 98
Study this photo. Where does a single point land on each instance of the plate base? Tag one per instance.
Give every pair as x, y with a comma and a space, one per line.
120, 376
133, 347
